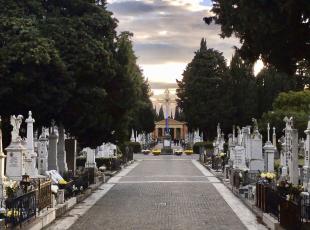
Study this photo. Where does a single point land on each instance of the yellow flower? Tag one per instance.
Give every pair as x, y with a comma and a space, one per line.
263, 175
222, 154
62, 181
11, 213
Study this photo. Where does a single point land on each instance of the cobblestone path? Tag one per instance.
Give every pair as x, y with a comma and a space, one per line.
164, 192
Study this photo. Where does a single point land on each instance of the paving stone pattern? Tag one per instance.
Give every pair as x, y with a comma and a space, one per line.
142, 200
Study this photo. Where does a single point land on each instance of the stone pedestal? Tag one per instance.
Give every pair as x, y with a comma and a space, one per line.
166, 150
61, 152
52, 151
15, 165
269, 150
90, 159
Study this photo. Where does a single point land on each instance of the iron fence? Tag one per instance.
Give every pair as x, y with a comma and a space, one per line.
20, 209
289, 213
44, 195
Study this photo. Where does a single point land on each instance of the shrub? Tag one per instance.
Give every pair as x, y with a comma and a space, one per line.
135, 146
204, 145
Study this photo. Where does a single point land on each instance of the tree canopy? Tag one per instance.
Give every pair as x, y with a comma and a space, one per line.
276, 31
202, 91
290, 104
64, 60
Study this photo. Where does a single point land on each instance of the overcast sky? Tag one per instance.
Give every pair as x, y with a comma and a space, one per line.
167, 33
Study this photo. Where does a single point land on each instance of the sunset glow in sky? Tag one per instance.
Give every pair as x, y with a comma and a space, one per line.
167, 33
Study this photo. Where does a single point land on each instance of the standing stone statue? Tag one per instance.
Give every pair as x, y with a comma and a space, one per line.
52, 150
16, 123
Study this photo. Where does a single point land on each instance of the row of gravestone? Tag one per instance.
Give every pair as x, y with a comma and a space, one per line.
34, 156
247, 152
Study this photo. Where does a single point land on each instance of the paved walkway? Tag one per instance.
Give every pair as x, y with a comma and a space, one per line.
163, 192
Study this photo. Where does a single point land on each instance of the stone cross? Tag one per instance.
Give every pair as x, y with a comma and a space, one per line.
31, 159
269, 150
16, 123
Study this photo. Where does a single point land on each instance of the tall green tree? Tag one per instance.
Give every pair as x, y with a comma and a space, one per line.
243, 91
277, 31
177, 113
161, 115
141, 115
202, 92
32, 73
64, 60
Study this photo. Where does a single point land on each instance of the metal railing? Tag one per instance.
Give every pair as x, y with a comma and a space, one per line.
44, 195
289, 213
20, 209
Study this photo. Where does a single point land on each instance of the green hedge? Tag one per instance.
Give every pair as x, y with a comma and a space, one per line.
205, 145
135, 146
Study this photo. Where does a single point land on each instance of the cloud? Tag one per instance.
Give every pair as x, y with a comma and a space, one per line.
168, 31
162, 85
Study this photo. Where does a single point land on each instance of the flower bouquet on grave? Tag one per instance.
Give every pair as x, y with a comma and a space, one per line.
156, 152
267, 177
188, 151
146, 151
222, 156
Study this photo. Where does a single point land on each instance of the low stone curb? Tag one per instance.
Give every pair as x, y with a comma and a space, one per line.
264, 218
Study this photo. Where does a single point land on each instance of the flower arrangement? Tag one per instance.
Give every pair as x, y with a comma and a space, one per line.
289, 190
178, 152
156, 152
188, 151
62, 182
146, 151
13, 213
11, 189
268, 176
